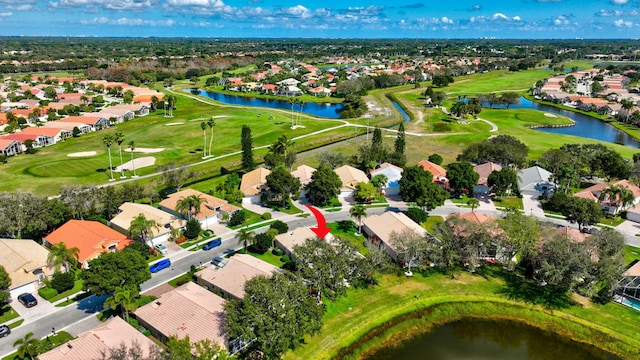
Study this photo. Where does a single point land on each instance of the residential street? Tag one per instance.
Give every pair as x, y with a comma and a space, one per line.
81, 316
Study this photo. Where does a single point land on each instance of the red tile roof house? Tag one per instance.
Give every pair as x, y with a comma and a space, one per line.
484, 170
95, 343
38, 140
611, 207
10, 147
68, 126
438, 172
91, 237
56, 134
188, 310
96, 123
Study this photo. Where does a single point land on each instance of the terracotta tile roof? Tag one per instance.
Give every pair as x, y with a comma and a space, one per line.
593, 192
253, 181
350, 176
303, 173
436, 170
633, 271
87, 120
93, 343
46, 131
187, 310
209, 206
91, 237
21, 257
239, 269
5, 143
129, 211
20, 137
484, 170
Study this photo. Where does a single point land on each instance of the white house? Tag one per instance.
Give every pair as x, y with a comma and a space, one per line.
393, 174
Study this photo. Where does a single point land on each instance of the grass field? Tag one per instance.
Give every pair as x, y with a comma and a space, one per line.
351, 317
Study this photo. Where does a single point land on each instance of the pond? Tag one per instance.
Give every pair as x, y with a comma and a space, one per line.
492, 340
585, 126
325, 110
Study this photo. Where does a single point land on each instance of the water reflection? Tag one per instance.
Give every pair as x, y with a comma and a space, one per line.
491, 340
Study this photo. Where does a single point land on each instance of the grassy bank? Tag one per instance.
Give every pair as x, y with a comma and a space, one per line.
350, 318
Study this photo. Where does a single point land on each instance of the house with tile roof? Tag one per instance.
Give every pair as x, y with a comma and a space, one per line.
298, 236
229, 279
211, 210
380, 229
92, 238
253, 183
303, 173
438, 172
68, 126
93, 344
535, 181
484, 170
350, 177
26, 264
10, 147
37, 140
56, 134
164, 221
96, 122
188, 310
392, 173
598, 194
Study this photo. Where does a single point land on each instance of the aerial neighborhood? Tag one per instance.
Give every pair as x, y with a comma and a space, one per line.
143, 218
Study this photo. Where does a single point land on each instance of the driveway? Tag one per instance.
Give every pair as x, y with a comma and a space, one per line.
43, 308
532, 205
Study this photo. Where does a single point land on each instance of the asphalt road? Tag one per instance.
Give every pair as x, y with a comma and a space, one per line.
70, 317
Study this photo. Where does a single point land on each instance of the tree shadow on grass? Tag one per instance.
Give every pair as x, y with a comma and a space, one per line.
549, 296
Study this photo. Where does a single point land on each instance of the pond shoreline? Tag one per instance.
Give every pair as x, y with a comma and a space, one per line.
407, 326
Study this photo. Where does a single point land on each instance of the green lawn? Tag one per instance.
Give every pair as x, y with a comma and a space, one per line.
432, 221
611, 221
509, 202
49, 343
7, 313
351, 317
267, 257
631, 253
77, 287
347, 230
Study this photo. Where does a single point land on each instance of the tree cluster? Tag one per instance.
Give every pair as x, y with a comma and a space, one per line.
503, 149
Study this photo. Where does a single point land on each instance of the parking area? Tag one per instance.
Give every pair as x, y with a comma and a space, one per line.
33, 313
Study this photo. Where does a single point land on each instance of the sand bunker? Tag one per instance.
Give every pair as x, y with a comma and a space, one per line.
550, 115
145, 150
138, 163
174, 123
82, 154
213, 117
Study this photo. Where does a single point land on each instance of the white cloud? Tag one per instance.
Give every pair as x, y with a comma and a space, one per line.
23, 7
6, 14
608, 13
297, 11
446, 20
106, 4
127, 22
619, 2
622, 23
561, 20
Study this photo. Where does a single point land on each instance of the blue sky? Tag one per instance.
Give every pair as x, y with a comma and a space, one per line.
323, 19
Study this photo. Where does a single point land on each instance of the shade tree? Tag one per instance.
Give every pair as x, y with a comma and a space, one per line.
325, 185
462, 177
110, 270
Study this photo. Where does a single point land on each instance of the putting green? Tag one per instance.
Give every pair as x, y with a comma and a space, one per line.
74, 167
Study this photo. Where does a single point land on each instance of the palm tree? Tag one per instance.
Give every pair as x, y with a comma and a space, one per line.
473, 203
141, 227
301, 102
203, 126
211, 124
61, 256
379, 181
292, 101
27, 346
245, 237
108, 141
132, 146
154, 102
190, 205
119, 138
618, 196
358, 212
124, 298
171, 100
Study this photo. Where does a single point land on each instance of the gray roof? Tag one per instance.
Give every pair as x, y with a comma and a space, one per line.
529, 177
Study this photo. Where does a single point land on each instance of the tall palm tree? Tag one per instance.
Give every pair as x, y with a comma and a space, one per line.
211, 124
61, 256
358, 212
245, 237
292, 101
301, 102
119, 139
190, 205
125, 298
108, 140
132, 146
203, 126
171, 100
141, 227
27, 347
618, 196
473, 203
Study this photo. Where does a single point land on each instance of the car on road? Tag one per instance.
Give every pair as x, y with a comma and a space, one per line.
217, 261
162, 249
211, 244
27, 300
4, 330
162, 264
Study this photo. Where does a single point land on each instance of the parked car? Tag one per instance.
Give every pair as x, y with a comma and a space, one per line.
211, 244
4, 330
162, 249
217, 261
27, 300
162, 264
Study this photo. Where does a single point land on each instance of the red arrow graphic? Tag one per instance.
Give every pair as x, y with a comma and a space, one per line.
322, 230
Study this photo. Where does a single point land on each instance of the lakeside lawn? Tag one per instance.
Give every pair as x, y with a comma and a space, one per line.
353, 316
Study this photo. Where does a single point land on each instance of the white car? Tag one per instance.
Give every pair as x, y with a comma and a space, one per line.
163, 249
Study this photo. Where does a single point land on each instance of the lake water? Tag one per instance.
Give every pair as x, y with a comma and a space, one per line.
480, 339
325, 110
586, 126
